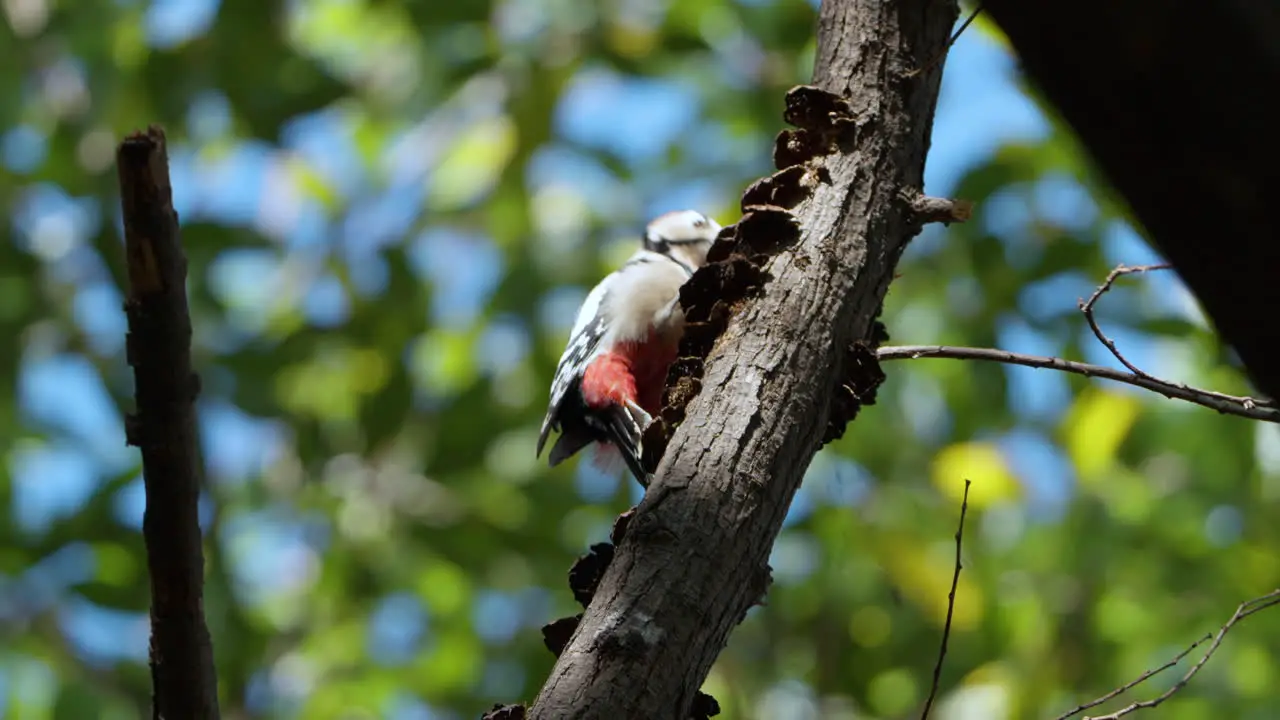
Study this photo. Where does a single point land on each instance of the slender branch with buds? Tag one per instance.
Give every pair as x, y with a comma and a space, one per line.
1252, 408
1243, 406
1245, 609
1086, 307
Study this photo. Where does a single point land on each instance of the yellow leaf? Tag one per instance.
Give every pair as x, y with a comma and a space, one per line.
924, 579
1096, 426
443, 361
632, 41
992, 673
473, 165
313, 184
980, 462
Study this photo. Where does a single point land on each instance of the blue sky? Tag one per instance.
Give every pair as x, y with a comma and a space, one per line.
980, 109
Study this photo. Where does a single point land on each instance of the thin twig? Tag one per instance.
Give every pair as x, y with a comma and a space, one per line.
1245, 609
951, 606
1136, 681
954, 37
1247, 407
1086, 307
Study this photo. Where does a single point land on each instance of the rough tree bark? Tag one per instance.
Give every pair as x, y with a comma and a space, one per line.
776, 326
184, 683
1171, 98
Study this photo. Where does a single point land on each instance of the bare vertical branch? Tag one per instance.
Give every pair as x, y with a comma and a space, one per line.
184, 682
951, 606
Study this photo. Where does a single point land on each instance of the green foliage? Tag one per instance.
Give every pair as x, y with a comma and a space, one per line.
388, 208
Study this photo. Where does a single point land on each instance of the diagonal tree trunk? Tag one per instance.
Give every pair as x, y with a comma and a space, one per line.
776, 364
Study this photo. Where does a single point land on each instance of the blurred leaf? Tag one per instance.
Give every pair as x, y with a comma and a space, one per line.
454, 664
1097, 424
76, 702
471, 167
444, 587
983, 464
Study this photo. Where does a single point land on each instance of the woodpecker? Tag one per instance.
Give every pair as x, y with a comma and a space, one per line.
608, 385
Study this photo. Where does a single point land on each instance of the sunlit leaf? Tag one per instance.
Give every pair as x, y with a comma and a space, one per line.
1097, 424
893, 692
471, 167
925, 578
454, 664
444, 587
981, 463
442, 361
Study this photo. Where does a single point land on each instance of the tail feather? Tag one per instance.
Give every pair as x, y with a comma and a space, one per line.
569, 442
625, 433
614, 425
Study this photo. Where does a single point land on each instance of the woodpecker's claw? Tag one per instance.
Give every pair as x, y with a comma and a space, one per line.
638, 414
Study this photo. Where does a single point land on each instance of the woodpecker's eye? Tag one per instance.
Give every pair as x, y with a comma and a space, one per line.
700, 222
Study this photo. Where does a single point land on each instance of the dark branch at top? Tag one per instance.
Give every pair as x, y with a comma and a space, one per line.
1181, 135
184, 682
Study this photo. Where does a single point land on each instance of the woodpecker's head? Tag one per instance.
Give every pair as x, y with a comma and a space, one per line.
684, 235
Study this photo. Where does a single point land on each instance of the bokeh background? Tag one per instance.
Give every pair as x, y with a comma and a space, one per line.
392, 210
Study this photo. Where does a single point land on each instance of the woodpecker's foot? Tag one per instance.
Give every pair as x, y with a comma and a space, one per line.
641, 420
638, 414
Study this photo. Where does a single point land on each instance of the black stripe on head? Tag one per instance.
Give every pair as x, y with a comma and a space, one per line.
653, 243
700, 225
656, 241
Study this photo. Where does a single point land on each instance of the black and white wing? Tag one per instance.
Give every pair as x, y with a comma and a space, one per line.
584, 341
